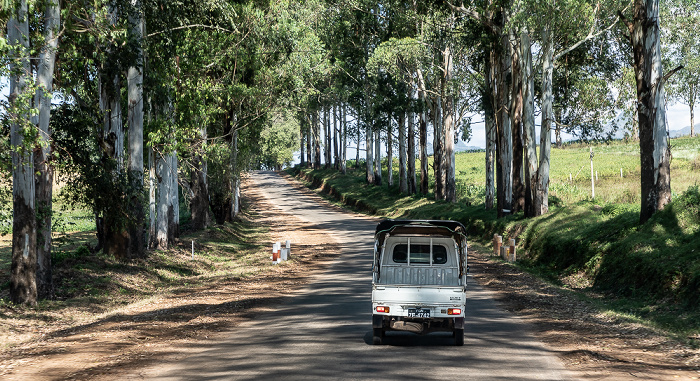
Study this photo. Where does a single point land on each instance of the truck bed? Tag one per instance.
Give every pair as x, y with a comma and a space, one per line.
434, 276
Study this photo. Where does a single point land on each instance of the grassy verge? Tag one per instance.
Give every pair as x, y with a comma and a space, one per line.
648, 273
89, 285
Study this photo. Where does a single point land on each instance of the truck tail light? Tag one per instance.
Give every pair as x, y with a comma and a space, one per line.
383, 309
454, 311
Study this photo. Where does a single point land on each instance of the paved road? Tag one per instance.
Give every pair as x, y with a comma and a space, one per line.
325, 331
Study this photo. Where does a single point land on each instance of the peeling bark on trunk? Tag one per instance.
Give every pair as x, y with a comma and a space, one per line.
654, 149
23, 287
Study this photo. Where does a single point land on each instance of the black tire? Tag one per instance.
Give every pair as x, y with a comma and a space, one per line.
459, 337
377, 334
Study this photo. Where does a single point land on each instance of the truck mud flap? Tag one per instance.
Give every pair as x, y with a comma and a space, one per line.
377, 321
459, 323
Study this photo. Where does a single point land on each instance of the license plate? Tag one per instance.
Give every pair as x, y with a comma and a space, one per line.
418, 313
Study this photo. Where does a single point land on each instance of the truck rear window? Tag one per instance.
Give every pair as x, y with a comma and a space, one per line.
420, 254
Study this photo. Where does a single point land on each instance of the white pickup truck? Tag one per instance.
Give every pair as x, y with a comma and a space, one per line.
419, 278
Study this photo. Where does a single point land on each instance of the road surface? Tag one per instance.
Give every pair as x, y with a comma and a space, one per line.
325, 333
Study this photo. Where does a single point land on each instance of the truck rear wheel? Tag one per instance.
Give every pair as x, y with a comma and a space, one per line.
459, 337
377, 334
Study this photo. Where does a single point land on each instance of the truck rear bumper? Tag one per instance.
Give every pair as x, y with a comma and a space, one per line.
419, 326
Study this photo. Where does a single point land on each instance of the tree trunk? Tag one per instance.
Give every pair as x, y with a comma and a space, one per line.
654, 150
377, 158
23, 271
329, 137
541, 203
174, 223
137, 244
336, 157
438, 144
504, 159
530, 167
490, 127
557, 133
449, 131
411, 154
423, 146
359, 138
369, 153
389, 154
44, 180
344, 126
235, 177
403, 175
152, 201
309, 141
302, 145
200, 193
110, 227
317, 140
164, 208
516, 114
692, 117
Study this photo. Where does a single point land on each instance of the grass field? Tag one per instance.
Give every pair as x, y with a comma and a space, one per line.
570, 176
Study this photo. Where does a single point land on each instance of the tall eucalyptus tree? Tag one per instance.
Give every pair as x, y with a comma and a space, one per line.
654, 150
23, 287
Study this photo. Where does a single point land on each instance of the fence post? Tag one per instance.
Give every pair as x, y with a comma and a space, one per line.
592, 182
497, 242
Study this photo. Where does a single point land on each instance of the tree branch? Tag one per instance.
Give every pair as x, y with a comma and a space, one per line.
472, 13
188, 27
590, 35
669, 74
629, 24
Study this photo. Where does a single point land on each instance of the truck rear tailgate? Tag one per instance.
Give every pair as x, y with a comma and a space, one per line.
402, 298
